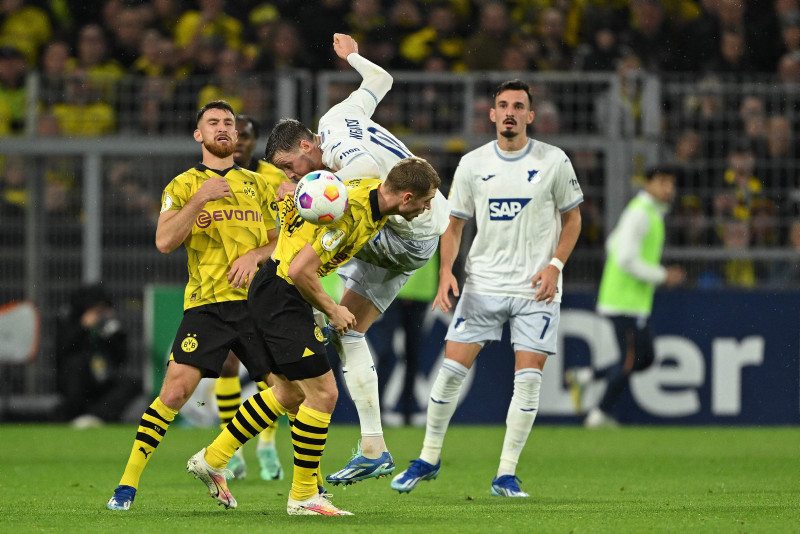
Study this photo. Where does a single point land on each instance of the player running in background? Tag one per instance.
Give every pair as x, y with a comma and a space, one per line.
228, 387
350, 144
280, 300
632, 271
524, 197
219, 212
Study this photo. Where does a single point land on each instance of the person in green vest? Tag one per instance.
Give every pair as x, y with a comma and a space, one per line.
632, 271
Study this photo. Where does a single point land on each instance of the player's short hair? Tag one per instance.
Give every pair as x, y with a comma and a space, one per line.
214, 104
413, 174
285, 137
253, 123
514, 85
661, 170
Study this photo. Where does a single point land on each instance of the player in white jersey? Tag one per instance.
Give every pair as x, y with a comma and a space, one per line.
352, 145
524, 196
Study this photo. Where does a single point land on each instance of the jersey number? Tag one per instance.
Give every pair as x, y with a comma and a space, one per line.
389, 143
546, 324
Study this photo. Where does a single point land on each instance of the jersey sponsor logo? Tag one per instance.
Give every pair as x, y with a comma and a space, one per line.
505, 209
337, 144
167, 204
574, 183
189, 343
205, 217
534, 177
341, 257
331, 239
354, 127
348, 153
488, 177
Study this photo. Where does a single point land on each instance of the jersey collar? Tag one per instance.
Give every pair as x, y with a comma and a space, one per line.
374, 206
513, 156
200, 167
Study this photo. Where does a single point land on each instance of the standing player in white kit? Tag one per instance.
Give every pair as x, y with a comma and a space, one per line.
524, 196
353, 146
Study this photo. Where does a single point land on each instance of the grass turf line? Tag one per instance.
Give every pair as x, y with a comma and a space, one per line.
637, 479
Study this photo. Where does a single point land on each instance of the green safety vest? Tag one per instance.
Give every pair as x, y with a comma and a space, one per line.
620, 290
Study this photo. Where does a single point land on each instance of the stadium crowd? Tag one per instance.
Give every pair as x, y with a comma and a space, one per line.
737, 148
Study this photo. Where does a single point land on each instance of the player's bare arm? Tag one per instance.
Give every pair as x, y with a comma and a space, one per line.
547, 278
285, 189
344, 45
449, 244
244, 268
303, 272
174, 226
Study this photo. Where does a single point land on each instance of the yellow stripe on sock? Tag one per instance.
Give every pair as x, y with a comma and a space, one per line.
309, 434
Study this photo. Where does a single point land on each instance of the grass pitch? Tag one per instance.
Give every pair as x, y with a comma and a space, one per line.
56, 479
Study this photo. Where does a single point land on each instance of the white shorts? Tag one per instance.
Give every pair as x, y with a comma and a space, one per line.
480, 319
381, 268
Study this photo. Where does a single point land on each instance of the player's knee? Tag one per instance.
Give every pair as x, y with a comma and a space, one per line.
176, 395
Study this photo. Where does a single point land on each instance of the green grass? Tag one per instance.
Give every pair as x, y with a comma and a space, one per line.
56, 479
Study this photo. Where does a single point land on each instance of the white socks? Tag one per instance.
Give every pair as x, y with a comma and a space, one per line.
442, 405
519, 421
362, 381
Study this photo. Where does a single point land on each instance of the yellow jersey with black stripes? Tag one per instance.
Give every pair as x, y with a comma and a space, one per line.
224, 230
336, 243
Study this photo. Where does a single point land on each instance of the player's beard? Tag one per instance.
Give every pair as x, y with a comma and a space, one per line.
220, 151
509, 134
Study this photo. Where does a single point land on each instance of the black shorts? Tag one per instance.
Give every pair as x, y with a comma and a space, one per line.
208, 332
286, 323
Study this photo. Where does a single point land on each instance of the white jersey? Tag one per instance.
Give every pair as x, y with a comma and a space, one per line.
348, 133
516, 199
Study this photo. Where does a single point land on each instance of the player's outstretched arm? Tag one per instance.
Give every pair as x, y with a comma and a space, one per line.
375, 78
174, 226
303, 272
449, 244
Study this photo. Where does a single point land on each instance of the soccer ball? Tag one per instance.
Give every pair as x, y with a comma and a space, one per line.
321, 197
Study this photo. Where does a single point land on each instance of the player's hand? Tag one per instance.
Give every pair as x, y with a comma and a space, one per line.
214, 189
243, 269
675, 276
344, 45
547, 279
447, 283
284, 190
341, 319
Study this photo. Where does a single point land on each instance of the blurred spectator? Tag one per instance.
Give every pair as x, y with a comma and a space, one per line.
196, 26
13, 189
25, 27
127, 29
704, 111
625, 105
740, 270
481, 106
260, 35
91, 353
440, 37
691, 223
731, 58
740, 188
688, 159
364, 17
549, 50
92, 66
764, 223
653, 38
53, 72
602, 52
548, 121
588, 167
493, 33
166, 14
514, 59
786, 273
780, 161
85, 112
225, 84
287, 51
13, 96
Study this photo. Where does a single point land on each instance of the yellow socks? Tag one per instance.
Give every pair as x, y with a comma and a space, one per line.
152, 427
229, 397
309, 433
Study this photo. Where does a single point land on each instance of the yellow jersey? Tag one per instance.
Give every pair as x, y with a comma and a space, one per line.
274, 176
224, 230
336, 243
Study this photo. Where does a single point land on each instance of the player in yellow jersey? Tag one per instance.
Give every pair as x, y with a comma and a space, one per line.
281, 299
219, 212
228, 387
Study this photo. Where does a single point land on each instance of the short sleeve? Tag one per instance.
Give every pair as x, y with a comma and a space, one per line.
566, 188
174, 196
461, 200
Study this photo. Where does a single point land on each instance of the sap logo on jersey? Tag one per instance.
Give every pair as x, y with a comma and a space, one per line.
505, 209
